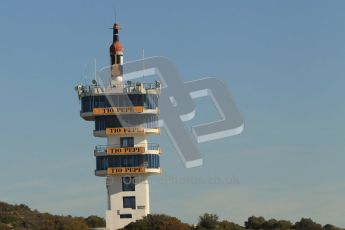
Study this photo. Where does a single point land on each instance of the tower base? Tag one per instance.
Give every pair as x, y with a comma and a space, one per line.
128, 200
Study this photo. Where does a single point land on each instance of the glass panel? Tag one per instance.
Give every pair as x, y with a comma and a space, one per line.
129, 202
127, 141
128, 183
147, 160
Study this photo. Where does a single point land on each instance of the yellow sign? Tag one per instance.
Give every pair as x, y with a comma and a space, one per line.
126, 170
118, 110
110, 131
112, 150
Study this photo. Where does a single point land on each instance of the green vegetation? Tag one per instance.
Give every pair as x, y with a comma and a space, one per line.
212, 222
21, 217
158, 222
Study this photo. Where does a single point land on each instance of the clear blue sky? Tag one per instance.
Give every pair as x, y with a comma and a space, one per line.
283, 61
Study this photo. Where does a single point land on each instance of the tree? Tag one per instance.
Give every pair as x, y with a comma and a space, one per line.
283, 225
330, 227
226, 225
309, 224
158, 222
274, 224
95, 222
255, 223
208, 221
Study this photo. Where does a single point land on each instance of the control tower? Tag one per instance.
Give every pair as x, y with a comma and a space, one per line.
126, 114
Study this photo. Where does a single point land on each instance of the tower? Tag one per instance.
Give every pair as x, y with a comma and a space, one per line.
126, 114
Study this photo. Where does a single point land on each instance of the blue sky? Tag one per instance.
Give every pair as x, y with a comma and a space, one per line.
283, 62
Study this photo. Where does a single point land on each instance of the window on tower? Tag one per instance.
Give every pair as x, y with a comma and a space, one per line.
128, 183
149, 101
127, 141
125, 216
144, 121
129, 202
118, 59
142, 160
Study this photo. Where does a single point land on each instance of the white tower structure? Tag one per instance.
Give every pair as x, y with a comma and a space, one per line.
126, 114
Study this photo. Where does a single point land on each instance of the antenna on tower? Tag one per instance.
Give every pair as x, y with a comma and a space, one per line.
143, 62
95, 69
115, 16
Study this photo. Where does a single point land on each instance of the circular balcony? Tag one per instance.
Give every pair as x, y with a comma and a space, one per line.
127, 171
126, 131
149, 148
115, 111
118, 104
127, 164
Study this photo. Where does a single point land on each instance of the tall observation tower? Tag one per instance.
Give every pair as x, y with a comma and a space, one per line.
126, 114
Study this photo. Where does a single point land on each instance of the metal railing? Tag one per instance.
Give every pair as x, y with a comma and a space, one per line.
128, 87
146, 124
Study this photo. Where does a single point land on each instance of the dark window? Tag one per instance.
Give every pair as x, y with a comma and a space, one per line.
128, 183
125, 216
118, 59
129, 202
143, 160
127, 141
147, 100
101, 163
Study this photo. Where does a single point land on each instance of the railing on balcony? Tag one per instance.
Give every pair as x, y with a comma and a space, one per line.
128, 87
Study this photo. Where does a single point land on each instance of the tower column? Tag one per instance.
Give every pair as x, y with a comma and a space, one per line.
126, 114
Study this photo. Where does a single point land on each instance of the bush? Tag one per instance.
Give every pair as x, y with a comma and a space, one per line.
304, 224
158, 222
95, 222
255, 223
208, 221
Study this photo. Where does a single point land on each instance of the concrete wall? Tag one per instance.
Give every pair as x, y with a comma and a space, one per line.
116, 195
